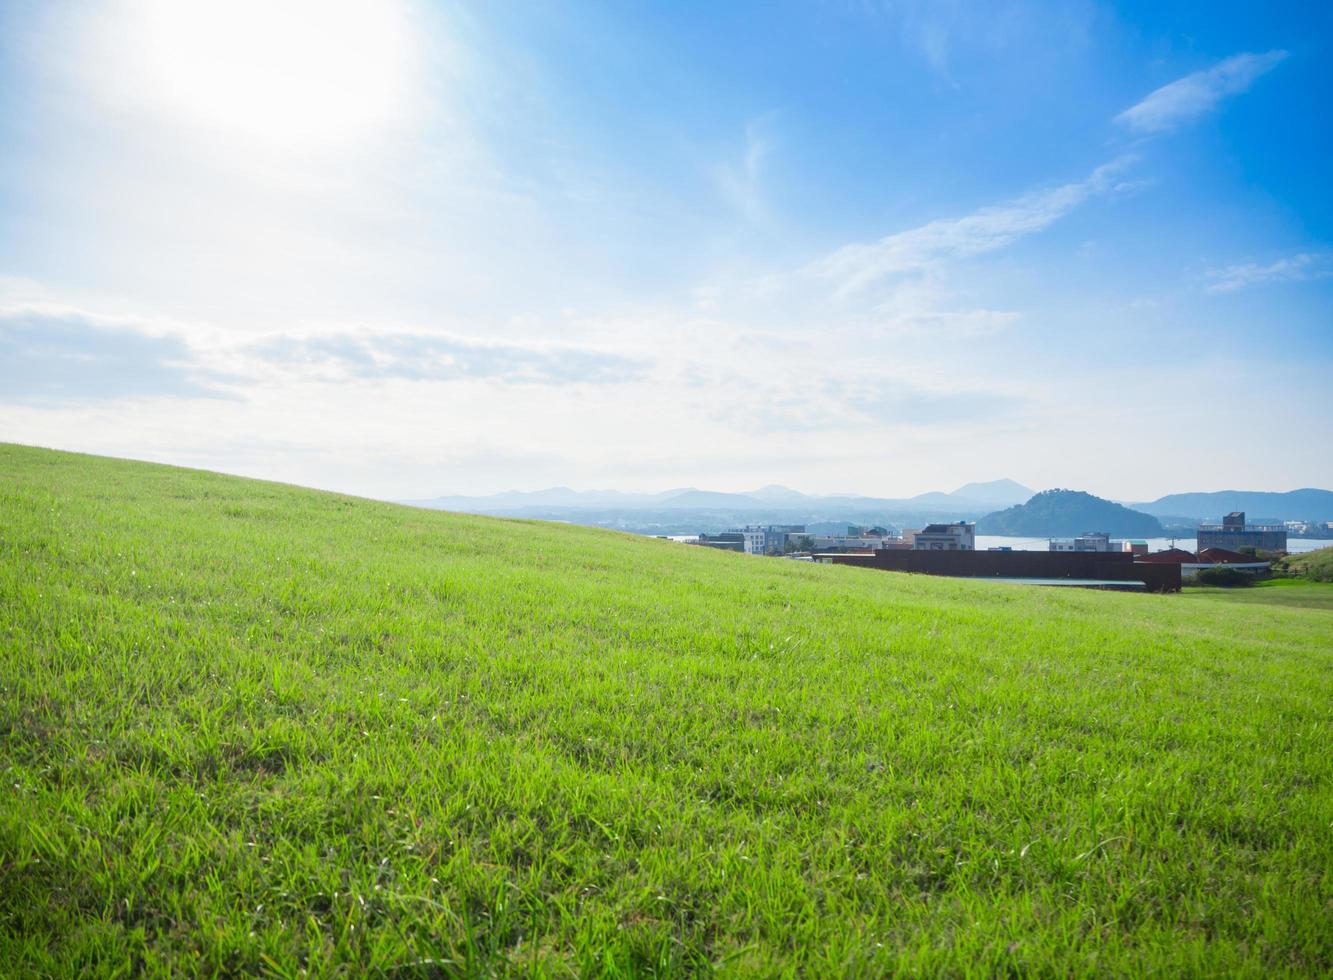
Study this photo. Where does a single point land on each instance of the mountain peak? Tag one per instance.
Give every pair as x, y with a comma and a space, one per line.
775, 491
998, 493
1069, 512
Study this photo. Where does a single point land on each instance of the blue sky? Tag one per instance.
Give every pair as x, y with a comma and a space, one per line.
403, 248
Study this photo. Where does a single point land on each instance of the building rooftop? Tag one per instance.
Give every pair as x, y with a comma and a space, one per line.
1116, 585
1171, 556
1218, 556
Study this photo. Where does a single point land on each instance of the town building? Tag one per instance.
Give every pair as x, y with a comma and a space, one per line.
1191, 564
959, 536
1308, 529
850, 542
776, 537
1104, 570
724, 541
1233, 534
768, 539
1091, 541
851, 538
754, 540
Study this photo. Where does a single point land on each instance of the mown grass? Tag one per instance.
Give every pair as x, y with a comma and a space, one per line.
247, 728
1296, 593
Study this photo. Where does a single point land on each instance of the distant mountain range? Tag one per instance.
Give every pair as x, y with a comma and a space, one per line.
1067, 513
688, 509
973, 499
1308, 504
997, 493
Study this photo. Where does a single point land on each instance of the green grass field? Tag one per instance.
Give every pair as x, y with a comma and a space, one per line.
1294, 593
252, 729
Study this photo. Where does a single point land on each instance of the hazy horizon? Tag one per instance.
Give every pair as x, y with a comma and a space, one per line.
887, 494
409, 249
884, 493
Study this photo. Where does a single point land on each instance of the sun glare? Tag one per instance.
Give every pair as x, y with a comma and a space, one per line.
285, 72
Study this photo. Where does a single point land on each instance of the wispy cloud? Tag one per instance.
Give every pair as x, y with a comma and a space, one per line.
64, 358
863, 407
1191, 96
53, 356
925, 407
1305, 265
862, 397
948, 324
853, 267
442, 357
741, 181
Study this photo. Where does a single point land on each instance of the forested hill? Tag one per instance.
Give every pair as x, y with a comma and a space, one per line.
1070, 512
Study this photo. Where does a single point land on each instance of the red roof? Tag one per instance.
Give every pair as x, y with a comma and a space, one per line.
1171, 556
1221, 556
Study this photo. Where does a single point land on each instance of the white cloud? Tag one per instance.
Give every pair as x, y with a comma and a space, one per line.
740, 181
1193, 95
62, 355
71, 358
1306, 265
653, 397
948, 324
434, 356
854, 267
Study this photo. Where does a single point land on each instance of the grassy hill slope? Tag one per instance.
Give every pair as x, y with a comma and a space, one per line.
250, 728
1317, 566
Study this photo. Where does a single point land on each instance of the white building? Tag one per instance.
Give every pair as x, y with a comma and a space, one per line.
754, 540
959, 536
1092, 541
